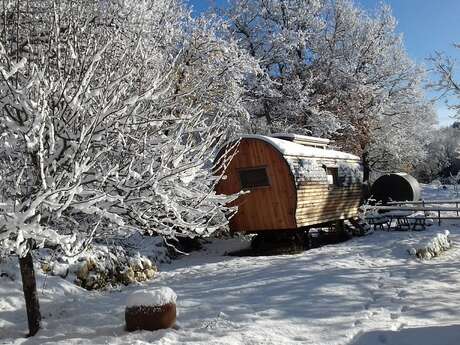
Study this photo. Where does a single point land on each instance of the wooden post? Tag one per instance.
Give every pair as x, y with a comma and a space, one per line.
439, 217
339, 226
29, 287
456, 205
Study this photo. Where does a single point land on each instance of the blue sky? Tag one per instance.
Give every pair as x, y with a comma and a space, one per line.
426, 25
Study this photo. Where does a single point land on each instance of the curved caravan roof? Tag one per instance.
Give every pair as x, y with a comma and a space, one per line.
292, 184
288, 148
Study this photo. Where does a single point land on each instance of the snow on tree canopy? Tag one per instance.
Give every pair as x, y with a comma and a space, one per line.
359, 85
104, 140
151, 298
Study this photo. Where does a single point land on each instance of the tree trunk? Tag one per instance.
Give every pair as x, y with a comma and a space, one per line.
366, 168
366, 190
29, 286
267, 113
339, 226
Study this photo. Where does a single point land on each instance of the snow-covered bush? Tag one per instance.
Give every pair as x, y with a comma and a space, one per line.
434, 247
98, 273
102, 266
363, 223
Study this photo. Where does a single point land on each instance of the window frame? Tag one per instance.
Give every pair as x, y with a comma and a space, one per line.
335, 176
248, 169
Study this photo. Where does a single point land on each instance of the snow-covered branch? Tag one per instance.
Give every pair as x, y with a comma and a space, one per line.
111, 114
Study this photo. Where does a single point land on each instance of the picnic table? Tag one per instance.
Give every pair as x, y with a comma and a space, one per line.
411, 217
405, 220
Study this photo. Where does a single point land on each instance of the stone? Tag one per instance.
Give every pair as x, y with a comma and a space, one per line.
91, 264
150, 273
146, 263
61, 270
140, 276
83, 271
46, 267
136, 264
127, 276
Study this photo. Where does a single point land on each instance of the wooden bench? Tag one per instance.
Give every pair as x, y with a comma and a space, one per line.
378, 221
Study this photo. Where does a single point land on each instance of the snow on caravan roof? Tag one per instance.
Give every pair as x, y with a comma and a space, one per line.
301, 138
288, 148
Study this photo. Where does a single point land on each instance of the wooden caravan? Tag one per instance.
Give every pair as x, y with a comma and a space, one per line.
293, 182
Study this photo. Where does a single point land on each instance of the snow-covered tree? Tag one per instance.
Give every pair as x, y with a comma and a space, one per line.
443, 156
111, 113
334, 70
443, 159
400, 141
446, 81
281, 35
375, 88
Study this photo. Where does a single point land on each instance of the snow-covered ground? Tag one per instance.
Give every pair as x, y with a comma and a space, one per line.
366, 291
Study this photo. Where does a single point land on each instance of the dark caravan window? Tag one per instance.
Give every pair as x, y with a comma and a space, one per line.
253, 178
332, 176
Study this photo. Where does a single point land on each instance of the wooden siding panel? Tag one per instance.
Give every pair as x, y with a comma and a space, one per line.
323, 217
326, 218
311, 170
304, 205
264, 208
320, 203
317, 211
